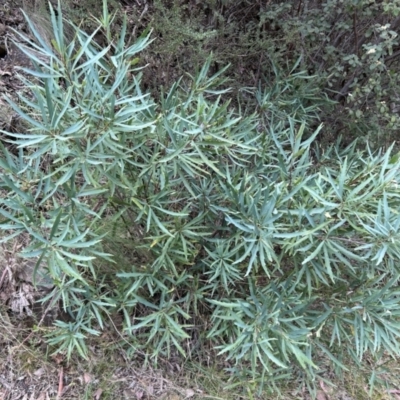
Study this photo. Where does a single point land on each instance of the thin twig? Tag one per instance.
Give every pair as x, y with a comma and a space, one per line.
356, 48
60, 383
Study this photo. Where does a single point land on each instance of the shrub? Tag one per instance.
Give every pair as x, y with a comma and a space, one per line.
235, 230
352, 48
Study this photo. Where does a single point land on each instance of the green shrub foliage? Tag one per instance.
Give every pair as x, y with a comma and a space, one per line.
223, 227
353, 48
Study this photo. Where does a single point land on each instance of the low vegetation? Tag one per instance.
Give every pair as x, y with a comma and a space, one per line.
203, 220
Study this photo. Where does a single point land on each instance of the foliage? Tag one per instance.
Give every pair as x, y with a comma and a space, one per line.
351, 49
242, 231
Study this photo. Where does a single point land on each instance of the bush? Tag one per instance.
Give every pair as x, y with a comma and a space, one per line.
229, 229
353, 49
350, 48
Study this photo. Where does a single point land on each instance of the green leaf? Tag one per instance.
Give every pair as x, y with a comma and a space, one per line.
65, 267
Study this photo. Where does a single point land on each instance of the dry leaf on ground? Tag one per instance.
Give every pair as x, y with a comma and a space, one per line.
98, 393
87, 378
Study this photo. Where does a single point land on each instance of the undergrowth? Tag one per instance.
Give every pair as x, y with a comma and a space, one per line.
191, 225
